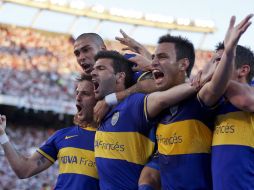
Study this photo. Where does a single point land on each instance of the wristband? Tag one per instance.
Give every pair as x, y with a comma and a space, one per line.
4, 139
111, 99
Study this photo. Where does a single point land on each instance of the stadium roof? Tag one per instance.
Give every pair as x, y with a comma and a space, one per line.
140, 21
78, 8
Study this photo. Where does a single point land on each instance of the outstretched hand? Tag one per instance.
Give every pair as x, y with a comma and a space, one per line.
2, 124
133, 45
142, 63
235, 32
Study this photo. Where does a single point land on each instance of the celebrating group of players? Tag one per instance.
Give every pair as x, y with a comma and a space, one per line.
142, 123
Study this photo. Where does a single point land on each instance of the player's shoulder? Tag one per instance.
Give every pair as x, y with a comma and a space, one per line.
136, 96
64, 131
132, 100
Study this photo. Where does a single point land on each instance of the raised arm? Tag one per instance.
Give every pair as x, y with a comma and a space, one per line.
241, 96
24, 167
133, 45
213, 90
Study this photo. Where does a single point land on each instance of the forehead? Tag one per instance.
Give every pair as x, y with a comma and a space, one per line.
85, 86
84, 42
105, 62
220, 52
165, 47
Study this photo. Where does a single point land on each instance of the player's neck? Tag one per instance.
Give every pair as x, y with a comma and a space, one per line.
88, 125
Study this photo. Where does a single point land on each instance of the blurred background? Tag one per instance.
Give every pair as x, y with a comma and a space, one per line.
38, 68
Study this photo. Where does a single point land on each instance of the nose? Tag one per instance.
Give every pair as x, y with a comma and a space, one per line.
82, 56
94, 73
78, 97
155, 63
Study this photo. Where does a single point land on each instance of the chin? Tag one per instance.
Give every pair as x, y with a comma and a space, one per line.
78, 120
161, 86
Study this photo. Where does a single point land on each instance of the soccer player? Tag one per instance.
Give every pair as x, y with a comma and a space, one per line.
184, 134
73, 147
86, 46
232, 150
150, 176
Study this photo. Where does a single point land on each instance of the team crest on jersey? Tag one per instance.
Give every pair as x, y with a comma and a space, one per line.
115, 118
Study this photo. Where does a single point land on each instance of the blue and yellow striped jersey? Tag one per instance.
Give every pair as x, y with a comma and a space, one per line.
184, 137
233, 149
73, 147
123, 144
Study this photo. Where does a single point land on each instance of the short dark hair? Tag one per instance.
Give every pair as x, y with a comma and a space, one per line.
120, 64
84, 77
184, 49
244, 56
219, 46
96, 37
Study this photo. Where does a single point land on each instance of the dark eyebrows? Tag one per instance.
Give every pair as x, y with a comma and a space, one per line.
162, 55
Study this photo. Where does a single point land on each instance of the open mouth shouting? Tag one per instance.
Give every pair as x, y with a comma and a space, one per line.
96, 86
79, 110
158, 76
87, 67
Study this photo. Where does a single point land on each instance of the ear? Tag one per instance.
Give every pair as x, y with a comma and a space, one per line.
120, 77
243, 71
184, 64
103, 47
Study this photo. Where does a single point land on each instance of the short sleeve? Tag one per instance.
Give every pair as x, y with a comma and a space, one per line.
49, 149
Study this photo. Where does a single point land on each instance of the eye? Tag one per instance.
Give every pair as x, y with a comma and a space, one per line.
217, 60
101, 67
162, 57
85, 93
85, 49
76, 53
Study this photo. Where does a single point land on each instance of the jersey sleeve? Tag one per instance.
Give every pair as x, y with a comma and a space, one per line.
213, 107
49, 149
138, 109
154, 162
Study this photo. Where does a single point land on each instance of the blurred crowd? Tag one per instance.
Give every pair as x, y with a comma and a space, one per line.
26, 140
37, 84
24, 49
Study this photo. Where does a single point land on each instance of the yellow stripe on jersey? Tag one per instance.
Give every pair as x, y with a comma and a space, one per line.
184, 137
46, 155
142, 75
78, 161
235, 128
131, 146
89, 128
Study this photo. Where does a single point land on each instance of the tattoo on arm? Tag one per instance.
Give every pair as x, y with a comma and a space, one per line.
41, 161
